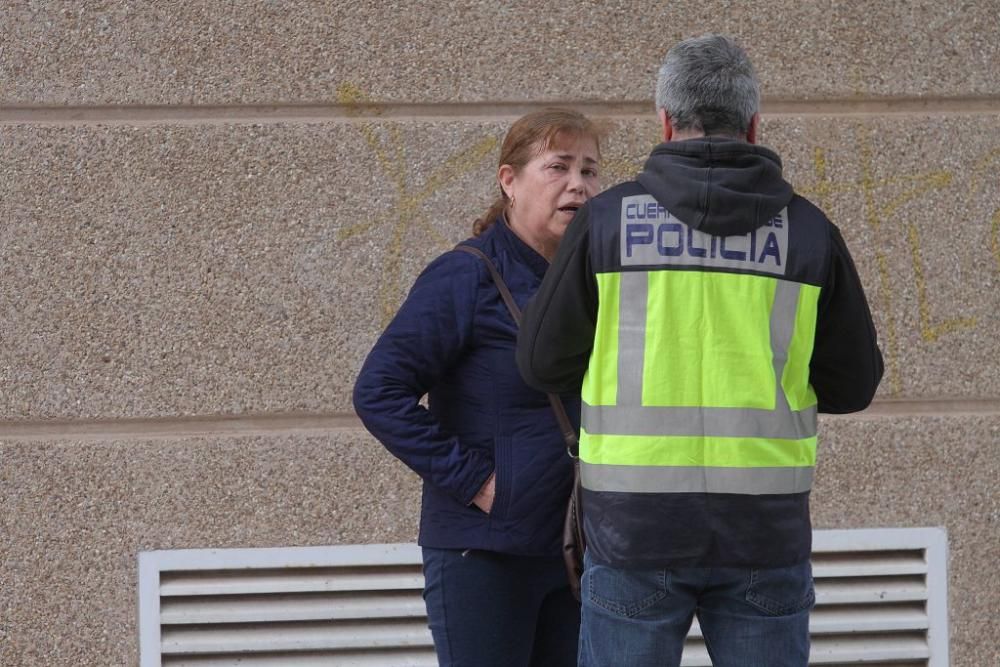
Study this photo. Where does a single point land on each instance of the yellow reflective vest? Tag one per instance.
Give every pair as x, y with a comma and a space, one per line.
705, 348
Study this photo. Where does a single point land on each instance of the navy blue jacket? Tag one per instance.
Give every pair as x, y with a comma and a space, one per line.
454, 340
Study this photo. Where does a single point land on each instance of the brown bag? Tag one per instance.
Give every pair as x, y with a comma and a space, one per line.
574, 540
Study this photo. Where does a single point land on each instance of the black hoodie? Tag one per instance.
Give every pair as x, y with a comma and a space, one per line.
722, 187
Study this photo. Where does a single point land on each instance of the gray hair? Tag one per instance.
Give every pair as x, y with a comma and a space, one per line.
708, 83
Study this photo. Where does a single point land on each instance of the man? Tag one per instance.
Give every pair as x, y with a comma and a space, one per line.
709, 313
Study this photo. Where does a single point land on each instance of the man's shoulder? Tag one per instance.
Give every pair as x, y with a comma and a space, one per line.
612, 197
623, 189
805, 212
803, 206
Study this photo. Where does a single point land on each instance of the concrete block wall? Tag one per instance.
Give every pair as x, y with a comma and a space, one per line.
208, 212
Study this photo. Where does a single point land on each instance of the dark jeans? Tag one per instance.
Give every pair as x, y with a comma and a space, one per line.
487, 609
749, 617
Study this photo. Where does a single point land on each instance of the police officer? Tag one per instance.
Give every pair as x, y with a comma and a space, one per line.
709, 313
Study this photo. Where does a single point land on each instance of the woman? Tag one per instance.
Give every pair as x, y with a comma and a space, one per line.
494, 465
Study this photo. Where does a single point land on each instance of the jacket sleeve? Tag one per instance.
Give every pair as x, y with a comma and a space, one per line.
557, 327
846, 365
422, 342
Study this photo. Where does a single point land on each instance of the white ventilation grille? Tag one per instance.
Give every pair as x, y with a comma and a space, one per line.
881, 600
347, 605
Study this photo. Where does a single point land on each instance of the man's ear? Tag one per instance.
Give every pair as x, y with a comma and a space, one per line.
753, 128
505, 176
668, 129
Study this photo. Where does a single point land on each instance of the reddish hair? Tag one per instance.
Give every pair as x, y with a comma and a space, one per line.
529, 136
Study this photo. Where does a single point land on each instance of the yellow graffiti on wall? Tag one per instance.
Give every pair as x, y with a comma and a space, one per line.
882, 199
409, 197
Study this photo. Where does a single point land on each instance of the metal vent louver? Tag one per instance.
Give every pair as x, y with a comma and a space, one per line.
881, 600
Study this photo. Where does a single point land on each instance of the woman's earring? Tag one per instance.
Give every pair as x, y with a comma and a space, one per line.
512, 202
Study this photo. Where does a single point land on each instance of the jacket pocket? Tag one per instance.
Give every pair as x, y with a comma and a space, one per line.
504, 478
782, 591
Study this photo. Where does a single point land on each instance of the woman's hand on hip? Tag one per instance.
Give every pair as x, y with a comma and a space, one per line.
484, 499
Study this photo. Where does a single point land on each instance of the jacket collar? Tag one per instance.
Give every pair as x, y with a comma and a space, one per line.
524, 253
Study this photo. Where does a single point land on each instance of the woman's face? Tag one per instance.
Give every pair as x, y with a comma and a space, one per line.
547, 192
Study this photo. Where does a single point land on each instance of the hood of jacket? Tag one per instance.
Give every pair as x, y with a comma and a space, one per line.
720, 186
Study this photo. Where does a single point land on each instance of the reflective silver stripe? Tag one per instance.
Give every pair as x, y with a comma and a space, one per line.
630, 417
786, 299
717, 422
655, 479
634, 292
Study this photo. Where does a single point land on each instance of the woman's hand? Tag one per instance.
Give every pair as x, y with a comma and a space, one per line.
484, 499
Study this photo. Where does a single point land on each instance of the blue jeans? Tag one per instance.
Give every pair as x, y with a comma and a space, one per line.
749, 617
487, 609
